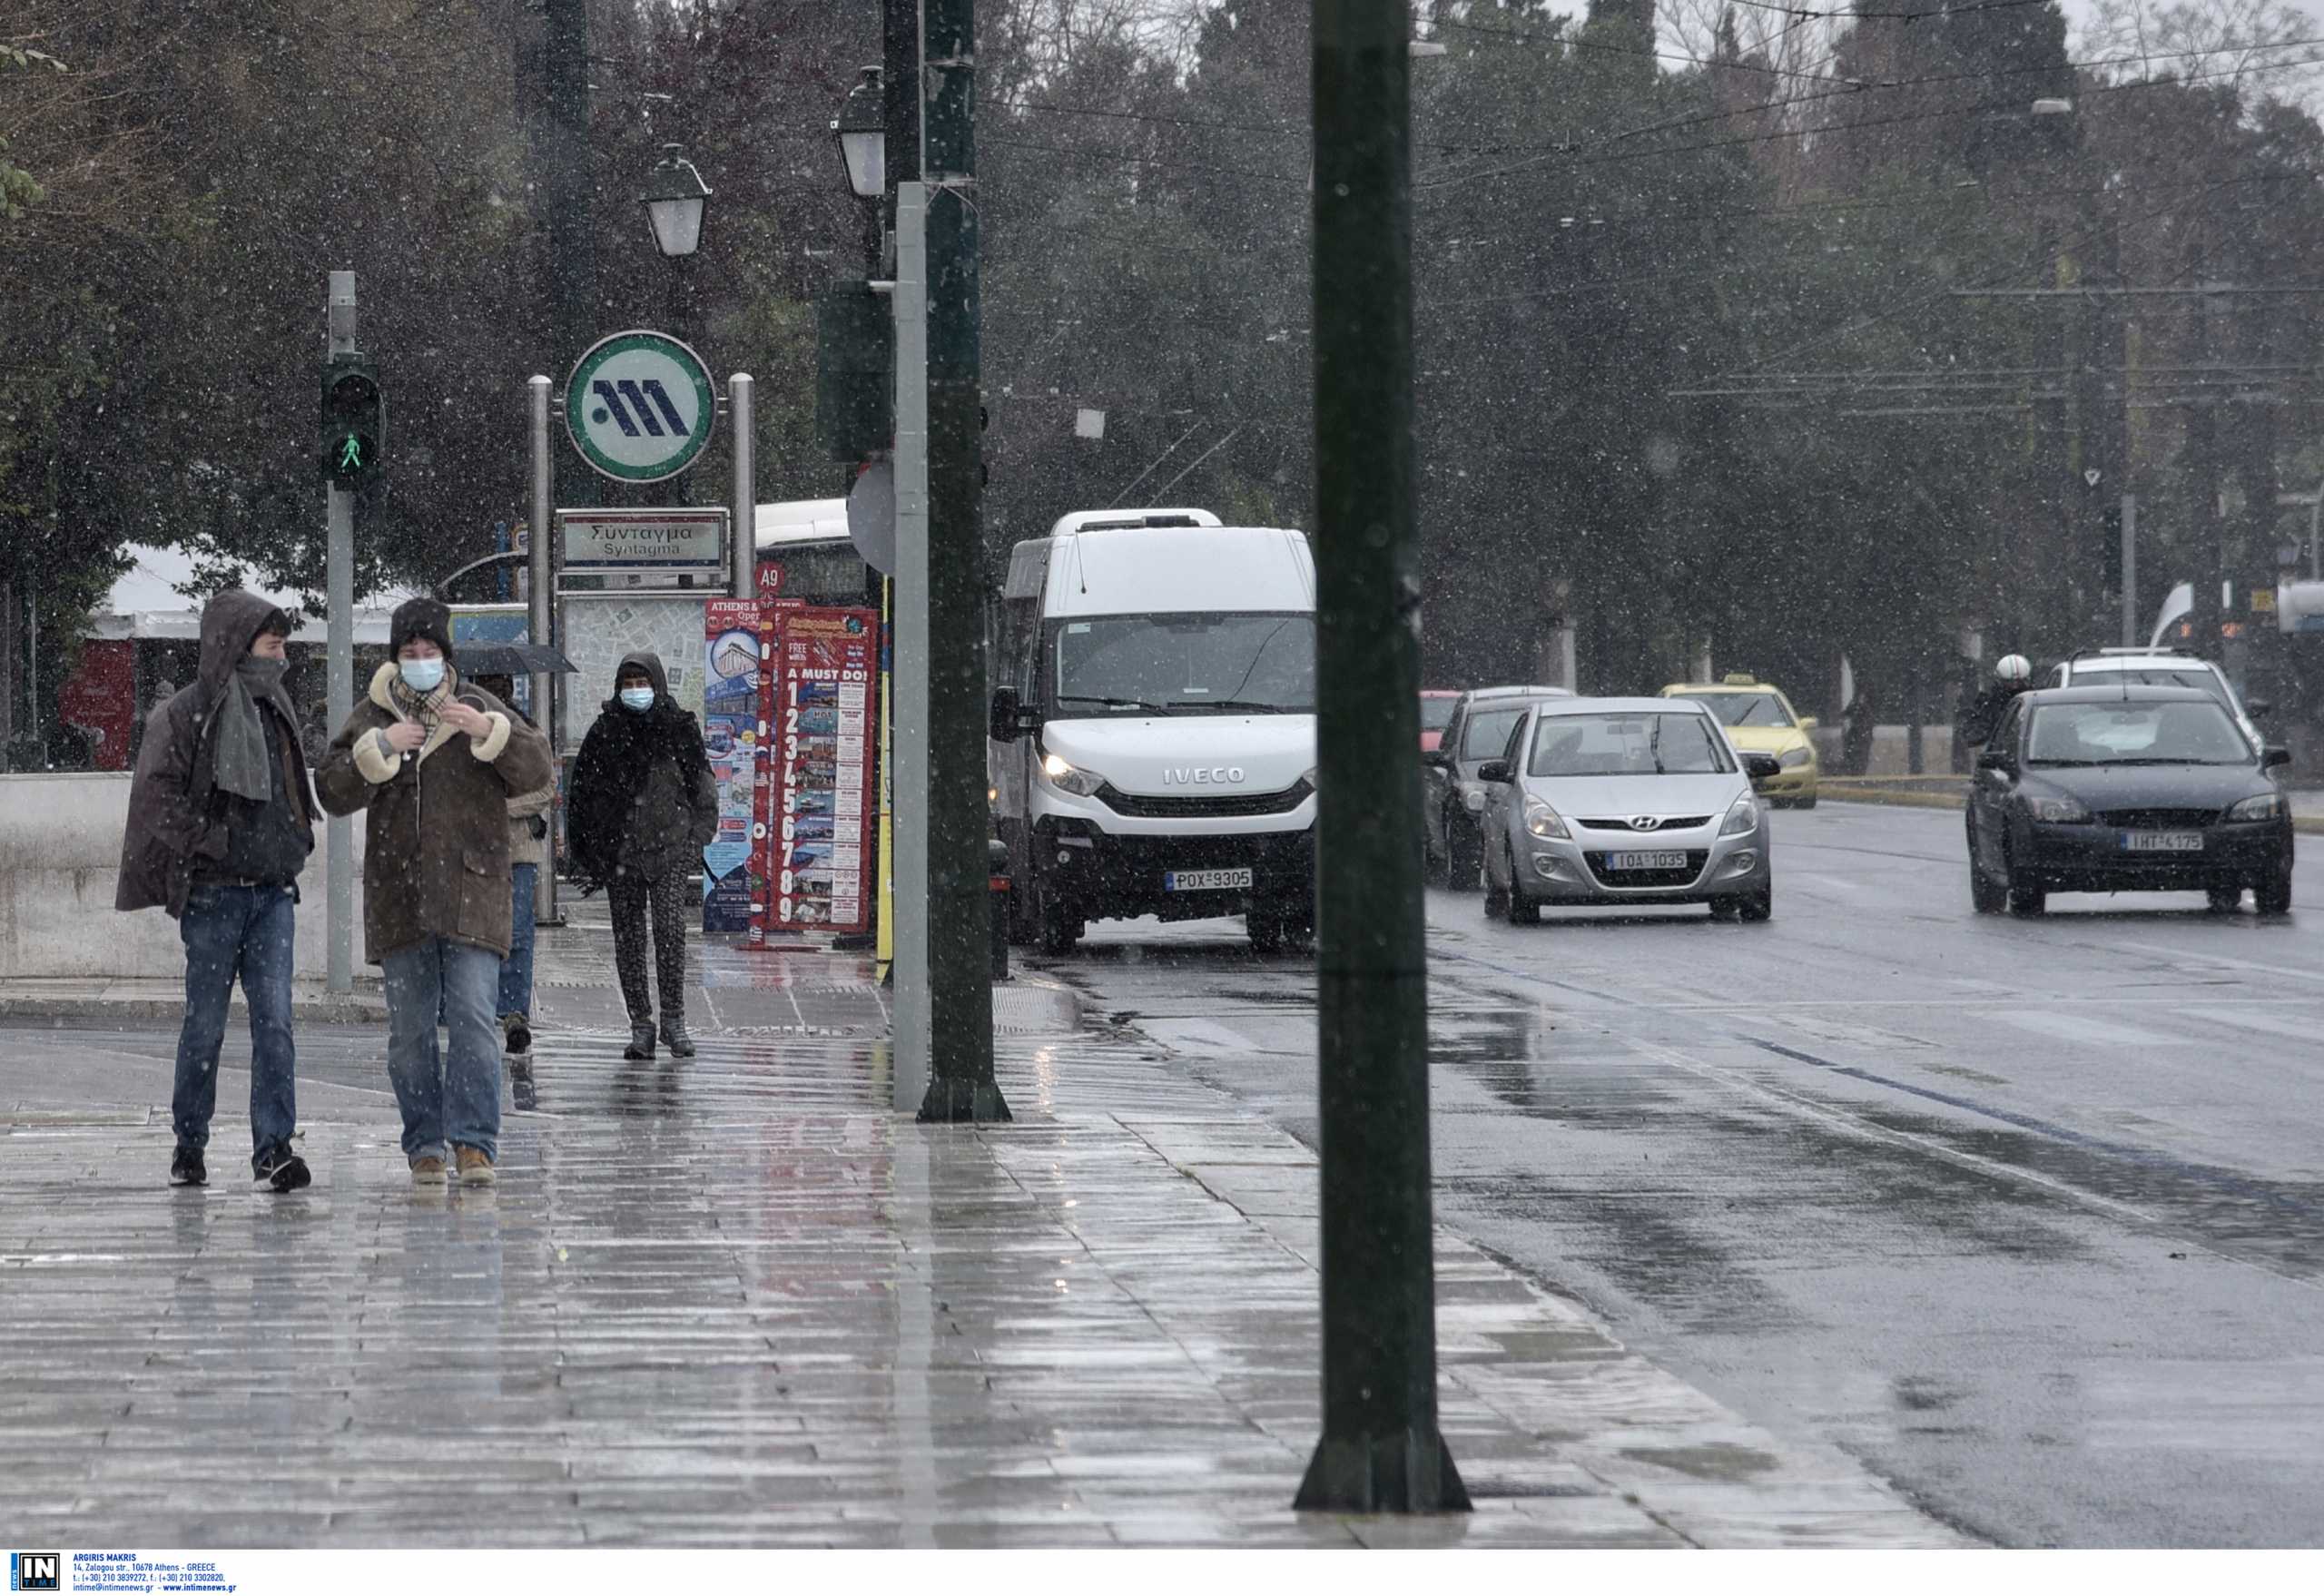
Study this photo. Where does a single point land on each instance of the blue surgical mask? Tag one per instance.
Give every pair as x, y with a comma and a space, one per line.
640, 698
421, 675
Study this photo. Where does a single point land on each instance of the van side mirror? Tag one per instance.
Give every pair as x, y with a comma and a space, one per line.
1993, 759
1761, 767
1494, 771
2258, 706
1006, 722
1436, 759
2275, 756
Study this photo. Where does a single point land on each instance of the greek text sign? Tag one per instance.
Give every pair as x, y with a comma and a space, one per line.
694, 540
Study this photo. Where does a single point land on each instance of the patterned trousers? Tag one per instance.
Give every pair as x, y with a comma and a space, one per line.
631, 898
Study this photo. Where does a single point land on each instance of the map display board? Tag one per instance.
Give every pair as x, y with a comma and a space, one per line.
732, 688
821, 726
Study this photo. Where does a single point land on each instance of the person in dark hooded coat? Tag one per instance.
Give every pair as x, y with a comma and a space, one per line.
220, 822
643, 806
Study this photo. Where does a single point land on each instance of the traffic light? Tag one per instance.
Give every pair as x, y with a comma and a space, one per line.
855, 380
355, 420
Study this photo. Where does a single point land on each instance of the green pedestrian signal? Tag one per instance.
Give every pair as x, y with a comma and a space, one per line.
355, 420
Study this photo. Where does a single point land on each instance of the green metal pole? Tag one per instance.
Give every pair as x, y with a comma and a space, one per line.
960, 1085
1381, 1451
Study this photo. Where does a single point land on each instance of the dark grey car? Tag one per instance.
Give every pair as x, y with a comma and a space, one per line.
1451, 798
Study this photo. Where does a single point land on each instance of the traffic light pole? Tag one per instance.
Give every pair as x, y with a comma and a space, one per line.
1381, 1451
957, 904
339, 667
912, 1044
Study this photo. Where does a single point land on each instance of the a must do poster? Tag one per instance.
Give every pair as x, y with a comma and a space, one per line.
730, 730
822, 860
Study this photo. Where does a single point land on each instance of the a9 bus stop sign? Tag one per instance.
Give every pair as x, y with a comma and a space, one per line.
640, 407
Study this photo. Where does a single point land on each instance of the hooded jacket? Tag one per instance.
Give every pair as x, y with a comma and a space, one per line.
644, 801
437, 834
179, 822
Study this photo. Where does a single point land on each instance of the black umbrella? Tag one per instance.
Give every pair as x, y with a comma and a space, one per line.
511, 659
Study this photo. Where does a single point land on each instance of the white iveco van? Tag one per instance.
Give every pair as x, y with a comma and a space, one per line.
1154, 724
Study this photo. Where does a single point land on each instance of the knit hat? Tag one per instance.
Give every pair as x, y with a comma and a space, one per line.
421, 617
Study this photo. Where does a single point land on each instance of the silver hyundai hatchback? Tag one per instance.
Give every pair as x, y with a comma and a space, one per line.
1614, 801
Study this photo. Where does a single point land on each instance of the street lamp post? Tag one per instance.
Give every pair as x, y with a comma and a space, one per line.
862, 130
675, 198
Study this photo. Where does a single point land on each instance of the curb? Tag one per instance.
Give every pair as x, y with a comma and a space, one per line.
2305, 824
342, 1011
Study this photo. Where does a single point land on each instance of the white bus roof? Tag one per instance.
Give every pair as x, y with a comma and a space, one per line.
801, 520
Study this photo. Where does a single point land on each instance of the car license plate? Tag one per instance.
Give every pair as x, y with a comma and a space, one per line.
1205, 881
1646, 862
2163, 842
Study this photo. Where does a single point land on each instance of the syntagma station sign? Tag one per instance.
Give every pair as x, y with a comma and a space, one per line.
642, 540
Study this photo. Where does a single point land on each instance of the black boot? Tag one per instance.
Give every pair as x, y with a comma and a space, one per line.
673, 1032
641, 1043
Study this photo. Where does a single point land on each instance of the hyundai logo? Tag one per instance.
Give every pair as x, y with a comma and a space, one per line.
1646, 823
1202, 775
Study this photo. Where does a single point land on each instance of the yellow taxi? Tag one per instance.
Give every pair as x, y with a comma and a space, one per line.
1760, 720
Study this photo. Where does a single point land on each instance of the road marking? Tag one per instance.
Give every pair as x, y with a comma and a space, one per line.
2215, 959
1199, 1036
2076, 1027
2244, 1019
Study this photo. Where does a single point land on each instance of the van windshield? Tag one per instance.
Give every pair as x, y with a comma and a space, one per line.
1209, 663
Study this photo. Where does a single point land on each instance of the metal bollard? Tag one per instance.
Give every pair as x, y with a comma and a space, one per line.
997, 856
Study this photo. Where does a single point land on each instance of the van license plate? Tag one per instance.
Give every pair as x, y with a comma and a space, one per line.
1205, 881
1646, 862
2163, 841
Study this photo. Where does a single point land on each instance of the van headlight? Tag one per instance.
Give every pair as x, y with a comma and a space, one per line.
2266, 806
1793, 759
1543, 821
1742, 817
1068, 777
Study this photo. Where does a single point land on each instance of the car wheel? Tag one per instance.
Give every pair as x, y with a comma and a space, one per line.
2274, 893
1759, 907
1496, 899
1726, 908
1059, 925
1521, 910
1269, 930
2026, 902
1987, 897
1807, 802
2224, 899
1463, 854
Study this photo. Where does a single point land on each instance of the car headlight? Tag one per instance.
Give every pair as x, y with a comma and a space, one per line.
1543, 821
1743, 818
2266, 806
1792, 759
1068, 777
2060, 811
1308, 776
1473, 797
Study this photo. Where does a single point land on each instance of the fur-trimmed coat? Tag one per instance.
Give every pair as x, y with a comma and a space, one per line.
436, 863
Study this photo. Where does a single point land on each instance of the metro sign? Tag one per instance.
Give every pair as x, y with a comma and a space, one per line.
640, 407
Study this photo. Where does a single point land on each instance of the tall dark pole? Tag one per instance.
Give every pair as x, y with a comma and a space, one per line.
900, 82
1381, 1451
961, 1083
2203, 482
570, 179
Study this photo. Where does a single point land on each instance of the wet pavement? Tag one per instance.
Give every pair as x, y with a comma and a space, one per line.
2027, 1215
736, 1301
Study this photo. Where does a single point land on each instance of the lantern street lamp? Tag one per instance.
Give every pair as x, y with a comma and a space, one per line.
672, 199
861, 129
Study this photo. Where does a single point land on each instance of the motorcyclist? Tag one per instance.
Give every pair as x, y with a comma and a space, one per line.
2012, 674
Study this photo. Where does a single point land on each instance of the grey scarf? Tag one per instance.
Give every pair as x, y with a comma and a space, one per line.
240, 766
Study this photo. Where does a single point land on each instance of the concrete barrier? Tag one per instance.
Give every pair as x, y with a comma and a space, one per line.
60, 863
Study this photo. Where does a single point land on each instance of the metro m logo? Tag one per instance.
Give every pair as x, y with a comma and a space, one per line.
36, 1571
612, 395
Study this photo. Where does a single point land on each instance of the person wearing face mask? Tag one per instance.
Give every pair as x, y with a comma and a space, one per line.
434, 761
221, 822
644, 805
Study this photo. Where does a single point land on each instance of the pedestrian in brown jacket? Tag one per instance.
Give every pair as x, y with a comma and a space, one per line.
221, 822
435, 759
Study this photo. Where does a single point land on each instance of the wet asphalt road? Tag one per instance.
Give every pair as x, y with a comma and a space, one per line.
2027, 1215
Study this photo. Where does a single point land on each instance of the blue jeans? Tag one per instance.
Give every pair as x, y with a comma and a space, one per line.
453, 1098
517, 970
231, 931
